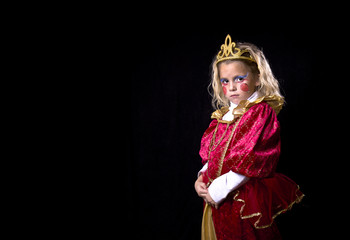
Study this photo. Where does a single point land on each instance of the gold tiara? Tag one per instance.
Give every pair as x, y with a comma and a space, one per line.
229, 51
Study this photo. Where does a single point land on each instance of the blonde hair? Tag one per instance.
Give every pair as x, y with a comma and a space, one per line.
268, 83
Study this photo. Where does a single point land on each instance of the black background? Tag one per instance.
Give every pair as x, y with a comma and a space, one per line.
168, 74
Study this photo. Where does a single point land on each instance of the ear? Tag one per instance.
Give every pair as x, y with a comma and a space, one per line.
257, 80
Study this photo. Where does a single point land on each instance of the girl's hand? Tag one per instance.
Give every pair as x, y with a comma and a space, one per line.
210, 201
200, 187
202, 191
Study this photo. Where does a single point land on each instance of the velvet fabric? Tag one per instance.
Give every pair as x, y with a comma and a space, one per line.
248, 146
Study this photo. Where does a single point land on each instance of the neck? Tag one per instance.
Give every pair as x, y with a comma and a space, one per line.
252, 98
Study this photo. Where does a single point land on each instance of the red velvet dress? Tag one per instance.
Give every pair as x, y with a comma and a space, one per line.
249, 145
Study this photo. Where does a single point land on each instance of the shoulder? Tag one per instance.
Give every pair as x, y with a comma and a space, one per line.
267, 104
261, 107
260, 112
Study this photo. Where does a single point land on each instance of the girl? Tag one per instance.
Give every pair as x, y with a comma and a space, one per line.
240, 149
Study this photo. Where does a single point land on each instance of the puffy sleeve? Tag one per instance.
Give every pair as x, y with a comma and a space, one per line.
255, 148
205, 142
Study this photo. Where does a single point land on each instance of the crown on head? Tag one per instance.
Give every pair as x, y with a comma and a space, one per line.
229, 51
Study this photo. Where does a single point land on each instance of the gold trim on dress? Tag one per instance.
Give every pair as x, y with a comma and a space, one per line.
220, 163
275, 102
225, 149
259, 214
218, 114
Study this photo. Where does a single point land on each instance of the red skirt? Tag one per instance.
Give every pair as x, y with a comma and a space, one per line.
249, 212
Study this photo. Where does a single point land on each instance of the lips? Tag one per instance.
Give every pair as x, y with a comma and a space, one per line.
234, 95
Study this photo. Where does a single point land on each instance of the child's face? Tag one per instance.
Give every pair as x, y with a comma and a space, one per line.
237, 81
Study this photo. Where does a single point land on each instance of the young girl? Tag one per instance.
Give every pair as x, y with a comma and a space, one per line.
240, 149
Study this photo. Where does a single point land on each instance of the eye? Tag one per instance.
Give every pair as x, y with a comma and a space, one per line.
239, 79
224, 81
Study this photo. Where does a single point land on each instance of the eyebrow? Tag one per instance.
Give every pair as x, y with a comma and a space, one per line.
239, 76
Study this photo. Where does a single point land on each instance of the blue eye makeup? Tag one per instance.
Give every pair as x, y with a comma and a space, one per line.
240, 78
224, 80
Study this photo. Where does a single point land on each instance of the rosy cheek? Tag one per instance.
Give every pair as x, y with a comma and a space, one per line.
244, 87
224, 89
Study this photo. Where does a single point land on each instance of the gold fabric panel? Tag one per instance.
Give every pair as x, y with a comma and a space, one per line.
208, 230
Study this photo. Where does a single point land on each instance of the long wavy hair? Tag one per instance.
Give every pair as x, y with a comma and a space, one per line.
268, 83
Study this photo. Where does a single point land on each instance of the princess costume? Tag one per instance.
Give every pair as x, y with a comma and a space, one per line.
239, 151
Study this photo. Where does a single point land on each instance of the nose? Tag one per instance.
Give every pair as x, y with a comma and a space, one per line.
232, 86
